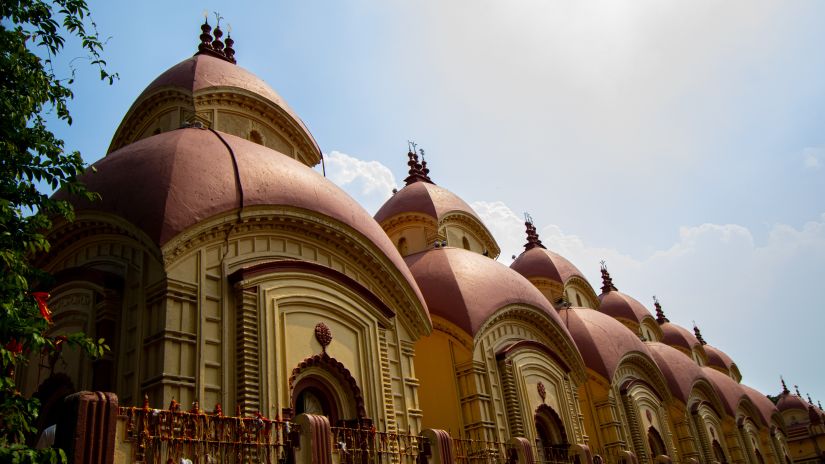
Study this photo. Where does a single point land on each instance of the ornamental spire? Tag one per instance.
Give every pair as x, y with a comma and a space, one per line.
607, 281
211, 43
698, 334
533, 240
660, 315
418, 171
785, 390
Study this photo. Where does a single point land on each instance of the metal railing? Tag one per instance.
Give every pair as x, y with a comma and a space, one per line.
161, 435
368, 446
468, 451
558, 454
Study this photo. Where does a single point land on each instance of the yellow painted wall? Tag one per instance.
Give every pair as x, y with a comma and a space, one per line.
435, 359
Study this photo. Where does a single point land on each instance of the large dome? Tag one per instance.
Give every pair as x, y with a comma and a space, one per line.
169, 182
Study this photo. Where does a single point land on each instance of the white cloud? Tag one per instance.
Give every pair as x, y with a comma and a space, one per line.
813, 157
740, 292
370, 182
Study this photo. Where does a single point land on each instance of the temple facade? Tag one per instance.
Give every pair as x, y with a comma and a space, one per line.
223, 270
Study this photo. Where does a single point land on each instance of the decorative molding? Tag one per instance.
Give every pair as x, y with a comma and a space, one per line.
323, 335
386, 281
338, 371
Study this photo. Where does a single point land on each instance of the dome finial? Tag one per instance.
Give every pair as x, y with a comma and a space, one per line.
785, 390
698, 334
809, 399
660, 315
796, 387
211, 43
607, 281
533, 240
418, 171
229, 52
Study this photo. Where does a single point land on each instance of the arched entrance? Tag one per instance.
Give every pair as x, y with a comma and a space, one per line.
323, 385
657, 445
551, 438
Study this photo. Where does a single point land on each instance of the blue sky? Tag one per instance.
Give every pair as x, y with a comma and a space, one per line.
683, 142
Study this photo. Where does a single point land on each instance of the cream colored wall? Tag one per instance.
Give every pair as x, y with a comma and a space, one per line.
229, 110
527, 369
377, 351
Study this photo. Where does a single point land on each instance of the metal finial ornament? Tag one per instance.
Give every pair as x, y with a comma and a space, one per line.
323, 335
796, 387
218, 18
528, 218
542, 391
607, 281
411, 146
533, 239
784, 387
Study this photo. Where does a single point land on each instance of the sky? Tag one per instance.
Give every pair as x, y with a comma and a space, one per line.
683, 142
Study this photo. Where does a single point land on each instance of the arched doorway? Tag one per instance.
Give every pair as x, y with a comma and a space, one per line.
551, 438
718, 453
657, 445
323, 385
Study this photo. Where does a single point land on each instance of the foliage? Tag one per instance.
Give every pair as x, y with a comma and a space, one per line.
32, 34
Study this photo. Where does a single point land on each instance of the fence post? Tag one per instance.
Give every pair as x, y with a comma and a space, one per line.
441, 446
523, 449
86, 432
315, 444
628, 457
582, 452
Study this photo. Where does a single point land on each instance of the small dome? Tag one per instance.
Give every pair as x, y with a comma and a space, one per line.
466, 288
197, 87
170, 182
678, 337
788, 401
425, 198
718, 358
618, 305
728, 390
602, 340
541, 262
765, 406
433, 213
680, 371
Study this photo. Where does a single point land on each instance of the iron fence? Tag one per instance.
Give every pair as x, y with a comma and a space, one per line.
171, 435
468, 451
362, 445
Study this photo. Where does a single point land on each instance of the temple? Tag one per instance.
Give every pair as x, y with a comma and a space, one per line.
255, 312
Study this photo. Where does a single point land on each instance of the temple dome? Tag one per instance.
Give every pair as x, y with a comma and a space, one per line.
621, 306
425, 198
543, 263
218, 94
788, 401
423, 212
466, 288
680, 371
602, 340
169, 182
678, 337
